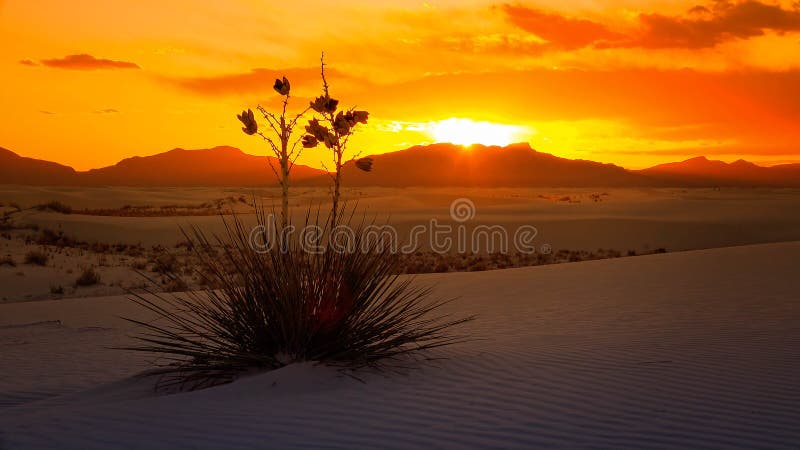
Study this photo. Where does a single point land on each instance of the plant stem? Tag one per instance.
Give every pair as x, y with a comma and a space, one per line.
336, 184
285, 134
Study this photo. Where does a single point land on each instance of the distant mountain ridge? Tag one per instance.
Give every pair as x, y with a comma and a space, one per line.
486, 166
218, 166
436, 165
700, 171
15, 169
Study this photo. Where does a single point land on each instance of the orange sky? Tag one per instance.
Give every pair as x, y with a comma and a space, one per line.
631, 82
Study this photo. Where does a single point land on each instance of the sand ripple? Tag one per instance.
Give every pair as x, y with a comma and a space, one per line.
689, 350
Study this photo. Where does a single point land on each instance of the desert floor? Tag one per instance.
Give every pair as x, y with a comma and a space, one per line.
693, 349
125, 230
677, 219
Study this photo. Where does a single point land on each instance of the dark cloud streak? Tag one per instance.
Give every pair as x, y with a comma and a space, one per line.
703, 26
561, 32
260, 81
87, 62
711, 26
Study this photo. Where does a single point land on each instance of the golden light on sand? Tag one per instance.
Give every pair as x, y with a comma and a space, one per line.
468, 132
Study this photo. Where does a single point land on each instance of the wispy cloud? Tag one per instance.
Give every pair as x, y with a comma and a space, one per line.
86, 62
714, 149
702, 26
260, 80
566, 33
718, 22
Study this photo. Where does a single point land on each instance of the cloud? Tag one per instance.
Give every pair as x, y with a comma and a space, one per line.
734, 148
703, 26
28, 62
708, 26
756, 107
261, 80
87, 62
562, 32
106, 111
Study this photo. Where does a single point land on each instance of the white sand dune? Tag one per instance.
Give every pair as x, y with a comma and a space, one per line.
683, 350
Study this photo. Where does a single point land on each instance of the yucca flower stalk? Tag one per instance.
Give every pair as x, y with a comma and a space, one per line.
333, 129
285, 149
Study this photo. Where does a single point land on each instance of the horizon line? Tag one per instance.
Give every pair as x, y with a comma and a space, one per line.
763, 164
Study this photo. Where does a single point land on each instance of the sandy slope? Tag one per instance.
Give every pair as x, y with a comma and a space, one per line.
695, 349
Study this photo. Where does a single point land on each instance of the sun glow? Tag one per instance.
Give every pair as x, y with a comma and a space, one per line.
467, 132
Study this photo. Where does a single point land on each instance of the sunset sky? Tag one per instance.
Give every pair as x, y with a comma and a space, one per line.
634, 82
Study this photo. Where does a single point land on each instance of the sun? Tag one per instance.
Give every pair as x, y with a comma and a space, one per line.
468, 132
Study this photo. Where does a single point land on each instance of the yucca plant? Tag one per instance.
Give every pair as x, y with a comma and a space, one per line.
333, 129
282, 302
280, 140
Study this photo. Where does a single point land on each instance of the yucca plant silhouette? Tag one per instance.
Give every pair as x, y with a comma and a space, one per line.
278, 303
334, 129
276, 297
285, 149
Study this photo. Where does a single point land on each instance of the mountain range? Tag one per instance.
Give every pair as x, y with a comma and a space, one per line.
517, 165
701, 171
218, 166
